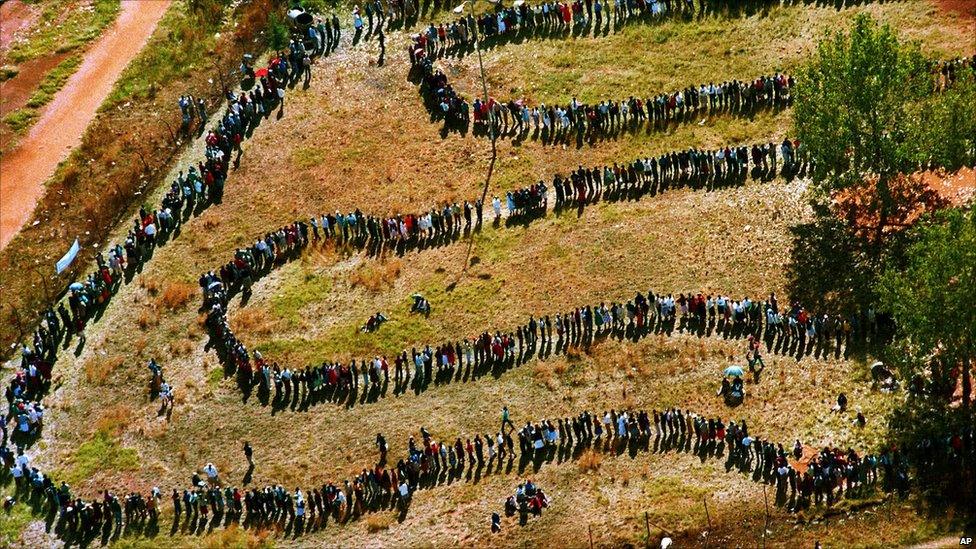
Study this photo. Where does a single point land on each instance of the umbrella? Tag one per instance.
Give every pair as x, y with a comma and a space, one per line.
518, 3
735, 371
214, 284
76, 287
261, 72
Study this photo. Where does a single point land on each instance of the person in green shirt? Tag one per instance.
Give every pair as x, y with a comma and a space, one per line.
506, 419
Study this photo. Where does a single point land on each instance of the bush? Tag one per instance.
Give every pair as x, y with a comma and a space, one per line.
376, 277
99, 367
590, 461
176, 295
147, 319
277, 32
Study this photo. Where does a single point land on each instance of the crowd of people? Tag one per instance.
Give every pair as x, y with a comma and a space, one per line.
765, 324
522, 20
696, 168
608, 117
831, 473
189, 194
527, 499
947, 71
429, 461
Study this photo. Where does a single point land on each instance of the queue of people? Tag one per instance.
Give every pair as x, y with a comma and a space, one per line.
191, 193
430, 460
765, 324
696, 168
517, 118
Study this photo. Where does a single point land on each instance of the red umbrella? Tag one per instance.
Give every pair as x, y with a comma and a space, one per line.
261, 72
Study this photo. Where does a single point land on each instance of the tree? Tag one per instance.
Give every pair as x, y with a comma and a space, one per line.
278, 33
932, 299
946, 124
869, 117
853, 111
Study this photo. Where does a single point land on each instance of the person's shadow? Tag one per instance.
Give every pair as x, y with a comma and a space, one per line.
248, 476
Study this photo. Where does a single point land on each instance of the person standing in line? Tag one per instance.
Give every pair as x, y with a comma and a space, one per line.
249, 454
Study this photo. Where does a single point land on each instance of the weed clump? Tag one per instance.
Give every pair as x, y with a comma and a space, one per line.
176, 295
590, 461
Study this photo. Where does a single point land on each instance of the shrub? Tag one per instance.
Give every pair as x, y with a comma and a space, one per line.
20, 119
375, 277
176, 295
151, 285
99, 367
277, 32
590, 461
147, 319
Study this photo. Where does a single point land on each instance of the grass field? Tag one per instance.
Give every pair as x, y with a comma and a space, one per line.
359, 137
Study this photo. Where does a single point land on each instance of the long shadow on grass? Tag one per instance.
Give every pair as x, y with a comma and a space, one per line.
351, 384
581, 439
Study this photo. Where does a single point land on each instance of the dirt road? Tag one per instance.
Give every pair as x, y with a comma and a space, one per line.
24, 170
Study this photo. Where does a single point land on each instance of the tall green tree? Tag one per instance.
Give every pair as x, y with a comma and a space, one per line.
278, 32
933, 296
869, 117
854, 108
933, 300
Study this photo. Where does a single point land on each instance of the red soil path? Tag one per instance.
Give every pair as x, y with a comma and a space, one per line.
24, 170
15, 92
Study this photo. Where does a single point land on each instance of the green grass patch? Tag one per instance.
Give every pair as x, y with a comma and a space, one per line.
307, 157
101, 453
20, 119
7, 72
13, 522
180, 45
60, 33
54, 81
674, 502
646, 59
214, 377
288, 303
347, 341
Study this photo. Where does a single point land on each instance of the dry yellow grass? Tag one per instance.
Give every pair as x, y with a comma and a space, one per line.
148, 318
176, 295
378, 522
99, 367
252, 321
114, 419
590, 461
375, 276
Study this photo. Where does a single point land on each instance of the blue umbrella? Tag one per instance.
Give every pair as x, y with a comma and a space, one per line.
76, 287
735, 371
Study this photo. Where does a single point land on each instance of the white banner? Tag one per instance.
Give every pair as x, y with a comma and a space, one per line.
68, 258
